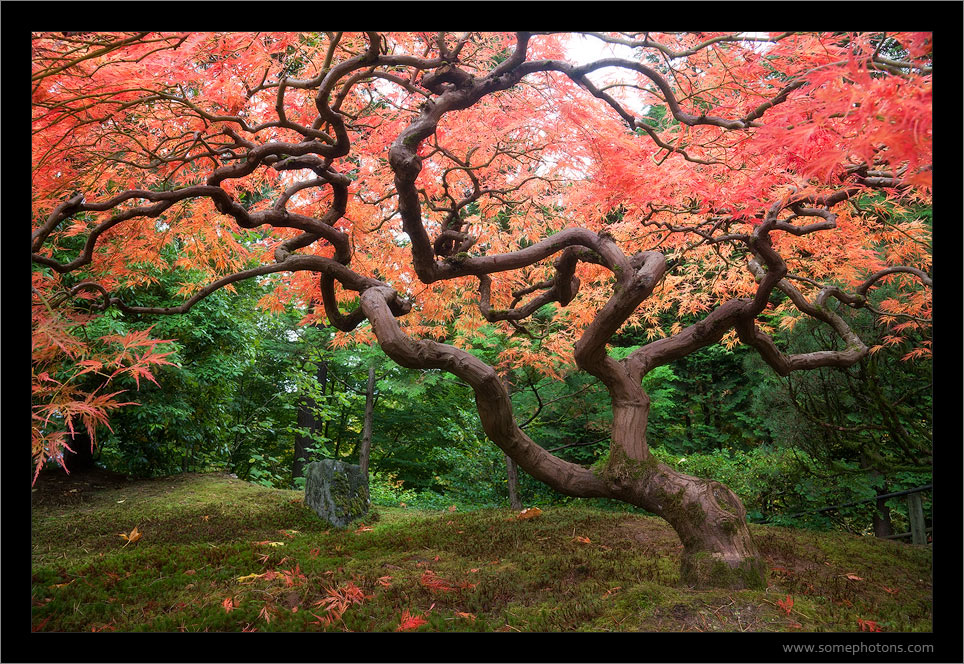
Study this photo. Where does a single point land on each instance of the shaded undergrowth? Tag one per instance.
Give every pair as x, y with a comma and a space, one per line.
220, 554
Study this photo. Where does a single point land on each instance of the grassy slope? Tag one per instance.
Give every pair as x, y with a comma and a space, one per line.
459, 571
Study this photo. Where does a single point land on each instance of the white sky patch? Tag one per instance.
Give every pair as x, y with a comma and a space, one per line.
583, 49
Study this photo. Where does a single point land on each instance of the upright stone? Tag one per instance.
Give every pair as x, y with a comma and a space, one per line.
336, 491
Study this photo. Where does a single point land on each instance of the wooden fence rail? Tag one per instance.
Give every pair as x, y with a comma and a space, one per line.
915, 512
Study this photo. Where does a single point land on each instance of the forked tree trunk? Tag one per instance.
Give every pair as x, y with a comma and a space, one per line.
710, 520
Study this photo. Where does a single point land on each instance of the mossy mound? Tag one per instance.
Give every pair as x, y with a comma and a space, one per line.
220, 554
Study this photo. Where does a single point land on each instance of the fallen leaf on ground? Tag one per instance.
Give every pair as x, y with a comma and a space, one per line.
529, 513
434, 582
408, 621
228, 604
133, 536
786, 604
466, 616
322, 620
339, 599
853, 577
249, 577
583, 540
868, 626
294, 576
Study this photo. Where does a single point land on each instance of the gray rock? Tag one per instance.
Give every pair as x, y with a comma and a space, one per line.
336, 491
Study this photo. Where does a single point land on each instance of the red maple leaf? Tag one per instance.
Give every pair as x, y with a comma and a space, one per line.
409, 622
786, 604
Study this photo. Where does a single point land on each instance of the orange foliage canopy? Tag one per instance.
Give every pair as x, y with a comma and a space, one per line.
441, 164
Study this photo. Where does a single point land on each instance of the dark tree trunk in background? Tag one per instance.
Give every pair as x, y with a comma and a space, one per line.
366, 442
882, 524
881, 517
511, 467
82, 457
512, 471
306, 420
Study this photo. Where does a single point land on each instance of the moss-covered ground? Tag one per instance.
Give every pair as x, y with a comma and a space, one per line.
220, 554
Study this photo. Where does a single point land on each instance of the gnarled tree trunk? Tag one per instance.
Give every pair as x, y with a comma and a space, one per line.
710, 520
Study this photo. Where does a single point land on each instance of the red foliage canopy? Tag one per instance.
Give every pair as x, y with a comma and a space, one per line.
465, 178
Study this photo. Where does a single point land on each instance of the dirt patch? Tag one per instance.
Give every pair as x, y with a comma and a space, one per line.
56, 487
648, 532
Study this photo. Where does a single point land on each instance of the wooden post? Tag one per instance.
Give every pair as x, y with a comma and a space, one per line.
915, 513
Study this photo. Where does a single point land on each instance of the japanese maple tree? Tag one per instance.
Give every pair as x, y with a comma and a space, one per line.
411, 188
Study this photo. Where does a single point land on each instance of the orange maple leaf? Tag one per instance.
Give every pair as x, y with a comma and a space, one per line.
529, 513
133, 536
